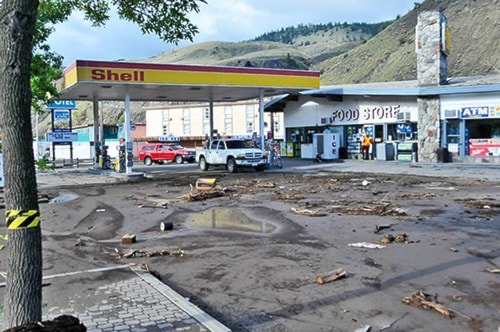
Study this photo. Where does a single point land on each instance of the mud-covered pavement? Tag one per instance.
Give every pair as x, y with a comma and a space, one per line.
251, 255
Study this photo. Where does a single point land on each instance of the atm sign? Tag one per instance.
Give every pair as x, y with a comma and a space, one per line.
475, 112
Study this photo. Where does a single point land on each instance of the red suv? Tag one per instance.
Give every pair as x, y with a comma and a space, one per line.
159, 153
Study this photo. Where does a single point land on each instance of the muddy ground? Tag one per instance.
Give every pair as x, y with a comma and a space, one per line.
252, 253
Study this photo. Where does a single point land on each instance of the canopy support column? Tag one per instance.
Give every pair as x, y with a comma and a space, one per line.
211, 115
97, 148
261, 119
128, 139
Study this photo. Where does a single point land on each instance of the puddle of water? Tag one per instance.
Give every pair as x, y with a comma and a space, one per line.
64, 197
229, 219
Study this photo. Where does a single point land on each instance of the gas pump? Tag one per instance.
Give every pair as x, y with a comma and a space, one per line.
104, 162
97, 156
120, 160
130, 155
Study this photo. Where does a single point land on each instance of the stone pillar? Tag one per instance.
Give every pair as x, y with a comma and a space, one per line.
432, 46
428, 128
432, 49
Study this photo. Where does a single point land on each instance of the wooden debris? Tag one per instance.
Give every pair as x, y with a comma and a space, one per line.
156, 206
42, 198
289, 197
133, 253
376, 209
378, 228
492, 270
205, 184
389, 238
331, 276
202, 195
128, 239
309, 213
425, 301
266, 185
399, 238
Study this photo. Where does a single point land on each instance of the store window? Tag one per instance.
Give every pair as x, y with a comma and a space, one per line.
165, 130
206, 129
249, 127
453, 137
484, 138
405, 131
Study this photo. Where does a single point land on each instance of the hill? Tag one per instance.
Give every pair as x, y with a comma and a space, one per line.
390, 55
297, 47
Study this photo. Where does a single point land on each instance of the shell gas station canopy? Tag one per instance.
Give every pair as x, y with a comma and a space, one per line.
131, 81
90, 80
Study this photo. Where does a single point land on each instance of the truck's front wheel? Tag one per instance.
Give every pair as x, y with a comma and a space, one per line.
231, 166
148, 161
179, 159
203, 164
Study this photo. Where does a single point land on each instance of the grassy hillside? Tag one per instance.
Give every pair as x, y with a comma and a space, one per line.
390, 56
297, 47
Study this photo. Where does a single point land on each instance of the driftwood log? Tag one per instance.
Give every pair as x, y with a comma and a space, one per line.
310, 213
133, 253
202, 195
331, 276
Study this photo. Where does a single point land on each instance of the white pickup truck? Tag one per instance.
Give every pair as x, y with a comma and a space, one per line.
233, 153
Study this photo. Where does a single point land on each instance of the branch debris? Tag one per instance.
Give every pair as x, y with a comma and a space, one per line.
425, 301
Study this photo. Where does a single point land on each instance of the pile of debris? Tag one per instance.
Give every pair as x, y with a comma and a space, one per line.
381, 209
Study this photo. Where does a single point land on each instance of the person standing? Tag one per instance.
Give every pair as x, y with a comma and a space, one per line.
366, 142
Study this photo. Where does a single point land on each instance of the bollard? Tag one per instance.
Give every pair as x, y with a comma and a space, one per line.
413, 157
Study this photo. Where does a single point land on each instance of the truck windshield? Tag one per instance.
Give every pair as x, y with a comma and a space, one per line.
176, 146
239, 144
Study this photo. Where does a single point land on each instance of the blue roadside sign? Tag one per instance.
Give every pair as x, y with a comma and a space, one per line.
62, 104
62, 115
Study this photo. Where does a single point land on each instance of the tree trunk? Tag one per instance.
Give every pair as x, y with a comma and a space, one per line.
24, 279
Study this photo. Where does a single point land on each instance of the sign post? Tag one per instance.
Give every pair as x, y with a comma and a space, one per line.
62, 126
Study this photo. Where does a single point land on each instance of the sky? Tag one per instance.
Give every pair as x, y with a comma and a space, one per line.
219, 20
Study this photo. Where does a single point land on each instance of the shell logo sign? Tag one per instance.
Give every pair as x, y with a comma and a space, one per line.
117, 75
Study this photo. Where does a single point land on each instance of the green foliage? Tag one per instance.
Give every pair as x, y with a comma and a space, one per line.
44, 164
45, 65
166, 19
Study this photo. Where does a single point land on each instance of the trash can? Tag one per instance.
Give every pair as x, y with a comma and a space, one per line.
443, 155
